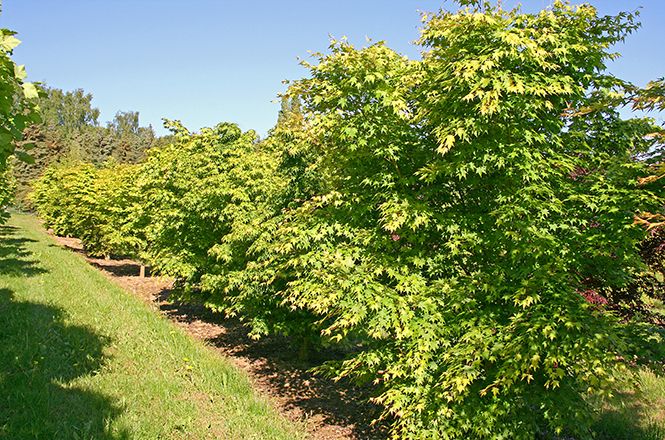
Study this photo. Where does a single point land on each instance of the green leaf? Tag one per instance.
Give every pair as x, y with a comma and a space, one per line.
19, 72
24, 157
9, 42
30, 91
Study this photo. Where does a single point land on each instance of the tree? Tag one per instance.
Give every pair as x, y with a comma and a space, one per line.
203, 199
64, 196
17, 108
6, 191
91, 203
130, 139
290, 111
632, 300
69, 110
473, 203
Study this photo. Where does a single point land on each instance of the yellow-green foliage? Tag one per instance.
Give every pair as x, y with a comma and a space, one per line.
60, 195
457, 221
203, 201
17, 99
77, 199
115, 197
6, 192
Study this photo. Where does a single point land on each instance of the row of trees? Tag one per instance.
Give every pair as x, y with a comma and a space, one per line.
466, 226
70, 131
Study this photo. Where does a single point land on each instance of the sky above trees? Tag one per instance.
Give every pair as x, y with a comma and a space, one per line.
205, 61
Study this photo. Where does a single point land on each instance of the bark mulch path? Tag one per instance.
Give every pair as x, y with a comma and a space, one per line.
329, 410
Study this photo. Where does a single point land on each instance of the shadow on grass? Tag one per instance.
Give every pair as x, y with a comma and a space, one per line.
14, 257
40, 356
275, 366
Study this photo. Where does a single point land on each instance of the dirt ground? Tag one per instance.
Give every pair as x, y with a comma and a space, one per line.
329, 410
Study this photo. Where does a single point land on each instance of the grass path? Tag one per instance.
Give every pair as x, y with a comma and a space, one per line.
82, 359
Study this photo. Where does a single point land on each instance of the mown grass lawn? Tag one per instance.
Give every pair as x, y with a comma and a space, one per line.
82, 359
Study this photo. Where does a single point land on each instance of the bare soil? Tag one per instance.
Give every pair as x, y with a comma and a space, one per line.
329, 410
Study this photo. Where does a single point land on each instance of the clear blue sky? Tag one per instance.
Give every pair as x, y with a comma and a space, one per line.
206, 61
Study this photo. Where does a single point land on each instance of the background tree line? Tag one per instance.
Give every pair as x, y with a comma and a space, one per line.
70, 130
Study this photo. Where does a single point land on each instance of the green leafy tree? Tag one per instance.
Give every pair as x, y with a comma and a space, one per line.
131, 141
290, 111
93, 204
633, 300
474, 203
203, 199
64, 196
17, 108
115, 199
7, 187
70, 110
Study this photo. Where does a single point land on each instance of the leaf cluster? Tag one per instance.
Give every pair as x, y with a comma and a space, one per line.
17, 108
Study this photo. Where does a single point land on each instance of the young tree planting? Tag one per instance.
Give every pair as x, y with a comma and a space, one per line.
203, 200
465, 227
